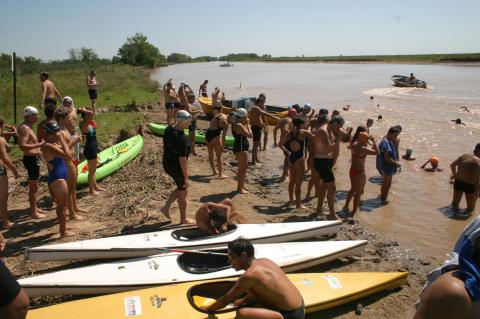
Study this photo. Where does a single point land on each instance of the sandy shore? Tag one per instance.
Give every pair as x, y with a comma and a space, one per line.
135, 194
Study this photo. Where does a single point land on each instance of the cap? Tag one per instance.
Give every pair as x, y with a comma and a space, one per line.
307, 107
299, 120
363, 136
434, 160
409, 151
68, 100
292, 111
29, 110
183, 115
323, 111
51, 127
241, 112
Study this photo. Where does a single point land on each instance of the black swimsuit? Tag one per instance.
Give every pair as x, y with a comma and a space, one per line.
294, 156
212, 133
240, 142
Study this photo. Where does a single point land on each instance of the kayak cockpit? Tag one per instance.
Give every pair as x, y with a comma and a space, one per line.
195, 263
198, 234
204, 295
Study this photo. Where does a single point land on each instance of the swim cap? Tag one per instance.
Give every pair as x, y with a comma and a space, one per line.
183, 115
307, 107
323, 111
299, 120
409, 151
29, 110
292, 111
241, 112
68, 100
363, 136
51, 127
434, 160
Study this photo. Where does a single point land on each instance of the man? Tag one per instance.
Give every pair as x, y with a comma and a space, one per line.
92, 85
203, 89
285, 126
260, 102
387, 161
466, 179
171, 99
315, 124
264, 283
369, 124
327, 139
257, 117
412, 79
49, 91
217, 97
28, 143
14, 301
215, 218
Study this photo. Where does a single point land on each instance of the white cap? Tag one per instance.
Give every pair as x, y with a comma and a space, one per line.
241, 112
29, 110
307, 107
67, 99
183, 115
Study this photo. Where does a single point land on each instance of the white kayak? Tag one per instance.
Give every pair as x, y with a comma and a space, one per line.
147, 244
139, 273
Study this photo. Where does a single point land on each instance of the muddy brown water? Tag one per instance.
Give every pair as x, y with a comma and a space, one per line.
417, 214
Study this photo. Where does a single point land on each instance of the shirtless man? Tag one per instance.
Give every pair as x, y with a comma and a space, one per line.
92, 85
28, 143
260, 102
171, 99
315, 124
215, 218
358, 178
64, 120
264, 283
257, 118
285, 125
369, 124
466, 179
327, 139
202, 91
217, 97
49, 91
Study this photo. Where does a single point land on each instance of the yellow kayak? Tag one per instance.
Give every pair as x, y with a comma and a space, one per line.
319, 290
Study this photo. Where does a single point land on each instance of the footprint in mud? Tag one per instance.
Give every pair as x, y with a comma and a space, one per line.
459, 214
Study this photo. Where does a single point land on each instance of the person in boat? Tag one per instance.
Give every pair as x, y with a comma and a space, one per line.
171, 100
327, 140
314, 181
285, 125
408, 155
14, 302
453, 290
387, 161
241, 131
466, 179
50, 93
412, 79
176, 148
257, 116
28, 143
433, 161
192, 129
56, 152
215, 140
293, 145
358, 178
459, 122
92, 85
215, 218
202, 91
263, 283
5, 162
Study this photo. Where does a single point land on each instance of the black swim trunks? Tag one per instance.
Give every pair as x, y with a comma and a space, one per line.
93, 94
257, 133
298, 313
169, 105
175, 172
50, 101
176, 105
9, 287
466, 188
32, 165
324, 168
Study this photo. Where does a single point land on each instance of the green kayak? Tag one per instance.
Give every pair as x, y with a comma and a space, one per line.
199, 136
112, 159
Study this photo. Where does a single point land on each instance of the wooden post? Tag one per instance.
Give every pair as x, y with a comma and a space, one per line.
14, 70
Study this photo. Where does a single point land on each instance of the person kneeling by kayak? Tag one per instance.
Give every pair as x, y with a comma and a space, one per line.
263, 283
215, 218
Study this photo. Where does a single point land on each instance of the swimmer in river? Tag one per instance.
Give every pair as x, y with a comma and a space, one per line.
464, 108
379, 118
459, 122
346, 108
408, 155
434, 165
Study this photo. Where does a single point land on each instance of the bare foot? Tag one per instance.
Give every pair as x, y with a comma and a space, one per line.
94, 193
245, 188
80, 211
187, 221
214, 172
100, 189
7, 225
76, 217
223, 176
41, 211
302, 207
242, 191
67, 233
330, 217
290, 204
165, 212
38, 215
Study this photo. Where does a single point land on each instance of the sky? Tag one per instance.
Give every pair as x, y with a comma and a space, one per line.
46, 29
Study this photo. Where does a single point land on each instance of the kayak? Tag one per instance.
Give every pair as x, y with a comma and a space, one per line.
112, 159
147, 244
404, 81
177, 267
158, 129
319, 290
229, 106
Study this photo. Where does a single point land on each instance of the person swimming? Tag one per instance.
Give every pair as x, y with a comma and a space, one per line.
458, 122
434, 161
408, 155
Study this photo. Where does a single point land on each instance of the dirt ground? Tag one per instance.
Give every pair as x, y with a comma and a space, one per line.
135, 194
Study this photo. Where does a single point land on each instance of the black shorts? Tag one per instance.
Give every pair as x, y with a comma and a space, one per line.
298, 313
193, 127
257, 133
175, 172
466, 188
50, 101
169, 105
324, 168
176, 105
93, 94
9, 287
32, 165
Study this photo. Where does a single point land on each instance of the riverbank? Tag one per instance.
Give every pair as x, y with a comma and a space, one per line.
136, 193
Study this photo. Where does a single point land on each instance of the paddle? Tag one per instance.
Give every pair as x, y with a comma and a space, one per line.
173, 250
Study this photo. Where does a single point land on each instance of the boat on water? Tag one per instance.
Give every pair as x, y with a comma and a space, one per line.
152, 243
404, 81
141, 273
229, 106
320, 291
226, 64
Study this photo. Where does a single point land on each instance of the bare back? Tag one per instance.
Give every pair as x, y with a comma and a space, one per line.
50, 89
468, 168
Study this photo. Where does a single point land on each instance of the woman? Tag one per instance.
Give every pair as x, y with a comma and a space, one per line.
4, 163
358, 178
293, 144
89, 128
176, 148
215, 143
55, 152
241, 131
171, 100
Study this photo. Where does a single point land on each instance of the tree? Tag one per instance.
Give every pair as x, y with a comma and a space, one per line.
138, 51
87, 55
178, 58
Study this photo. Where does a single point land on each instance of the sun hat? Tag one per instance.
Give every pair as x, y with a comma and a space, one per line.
29, 110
